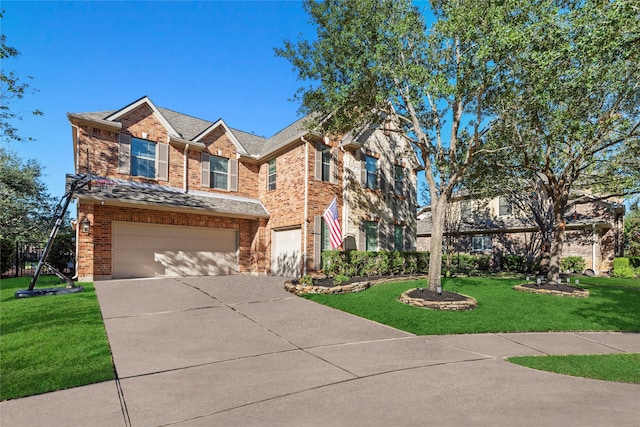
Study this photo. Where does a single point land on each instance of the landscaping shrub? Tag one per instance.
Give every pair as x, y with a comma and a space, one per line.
334, 262
514, 262
622, 268
367, 264
339, 279
484, 262
572, 264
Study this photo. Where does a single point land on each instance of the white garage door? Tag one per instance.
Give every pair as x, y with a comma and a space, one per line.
285, 253
150, 250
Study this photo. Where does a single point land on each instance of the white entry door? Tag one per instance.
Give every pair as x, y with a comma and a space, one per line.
151, 250
286, 257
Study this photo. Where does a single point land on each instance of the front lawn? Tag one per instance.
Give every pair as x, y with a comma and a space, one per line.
52, 342
609, 367
613, 305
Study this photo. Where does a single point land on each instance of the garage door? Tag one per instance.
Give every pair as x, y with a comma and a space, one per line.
285, 253
150, 250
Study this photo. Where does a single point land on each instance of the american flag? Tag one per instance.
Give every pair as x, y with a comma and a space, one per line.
333, 222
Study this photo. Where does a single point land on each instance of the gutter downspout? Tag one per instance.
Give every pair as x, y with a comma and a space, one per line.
306, 205
185, 184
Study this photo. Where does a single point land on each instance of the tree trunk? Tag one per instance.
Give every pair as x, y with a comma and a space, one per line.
438, 211
556, 244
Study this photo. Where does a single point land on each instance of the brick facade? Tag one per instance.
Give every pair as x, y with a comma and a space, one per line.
298, 200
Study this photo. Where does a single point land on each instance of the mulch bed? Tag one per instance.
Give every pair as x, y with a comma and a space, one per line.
428, 295
563, 287
327, 282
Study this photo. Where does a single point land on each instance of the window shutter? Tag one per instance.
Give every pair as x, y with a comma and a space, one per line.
163, 162
363, 168
382, 178
333, 169
318, 165
233, 174
124, 154
317, 242
206, 170
362, 237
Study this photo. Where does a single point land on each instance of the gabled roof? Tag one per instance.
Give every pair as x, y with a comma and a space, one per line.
144, 100
189, 128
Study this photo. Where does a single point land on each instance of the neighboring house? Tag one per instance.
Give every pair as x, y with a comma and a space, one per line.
593, 231
194, 197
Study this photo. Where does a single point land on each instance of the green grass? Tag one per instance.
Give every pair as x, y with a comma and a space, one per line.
609, 367
613, 305
52, 342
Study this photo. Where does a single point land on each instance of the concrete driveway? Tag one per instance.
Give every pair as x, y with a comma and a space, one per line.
239, 350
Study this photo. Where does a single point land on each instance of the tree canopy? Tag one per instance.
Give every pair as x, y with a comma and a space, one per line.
545, 91
378, 58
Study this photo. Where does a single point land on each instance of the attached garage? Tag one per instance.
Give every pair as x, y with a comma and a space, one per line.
286, 257
151, 250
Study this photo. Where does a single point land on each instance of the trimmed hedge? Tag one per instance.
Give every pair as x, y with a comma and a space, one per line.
624, 267
368, 264
383, 263
573, 264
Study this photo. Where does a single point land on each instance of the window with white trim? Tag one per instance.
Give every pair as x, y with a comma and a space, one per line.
372, 172
398, 178
326, 163
371, 236
398, 237
481, 243
504, 206
143, 158
271, 175
219, 172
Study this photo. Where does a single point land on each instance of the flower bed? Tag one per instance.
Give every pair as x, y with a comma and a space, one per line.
446, 301
563, 291
325, 286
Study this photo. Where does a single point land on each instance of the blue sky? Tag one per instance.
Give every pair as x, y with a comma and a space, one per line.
207, 59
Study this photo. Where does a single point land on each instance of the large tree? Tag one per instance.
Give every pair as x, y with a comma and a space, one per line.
571, 103
377, 57
25, 204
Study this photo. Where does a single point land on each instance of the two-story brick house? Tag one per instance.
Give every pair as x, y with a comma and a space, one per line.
495, 227
175, 195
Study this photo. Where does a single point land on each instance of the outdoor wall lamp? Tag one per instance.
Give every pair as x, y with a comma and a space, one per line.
85, 225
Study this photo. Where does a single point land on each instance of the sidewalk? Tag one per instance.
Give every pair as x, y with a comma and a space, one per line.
239, 350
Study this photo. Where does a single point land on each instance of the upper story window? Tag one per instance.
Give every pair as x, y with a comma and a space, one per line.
271, 180
143, 158
219, 172
140, 157
466, 209
372, 172
326, 163
398, 178
504, 206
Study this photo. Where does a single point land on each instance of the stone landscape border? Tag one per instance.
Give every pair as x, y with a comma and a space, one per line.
578, 293
302, 289
468, 304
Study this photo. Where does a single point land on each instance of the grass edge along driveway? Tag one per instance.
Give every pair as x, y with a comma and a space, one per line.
612, 306
51, 342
